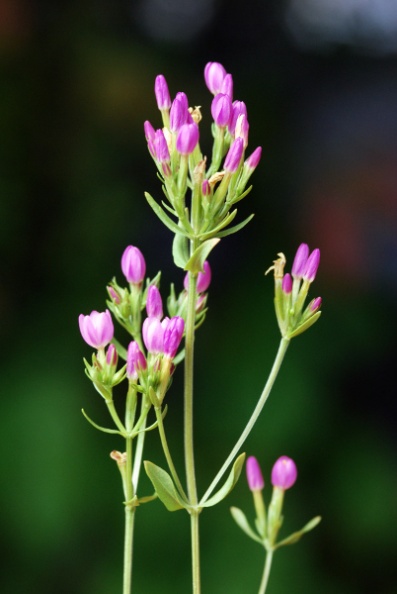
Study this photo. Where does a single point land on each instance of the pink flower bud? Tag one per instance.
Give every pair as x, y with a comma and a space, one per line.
239, 108
286, 284
149, 131
242, 128
161, 148
111, 356
221, 109
254, 158
133, 265
154, 303
203, 279
162, 93
187, 138
234, 155
136, 361
284, 473
315, 304
173, 335
97, 329
300, 260
179, 113
227, 86
311, 267
114, 296
206, 188
214, 73
153, 335
254, 474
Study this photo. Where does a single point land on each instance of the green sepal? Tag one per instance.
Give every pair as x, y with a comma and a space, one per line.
228, 219
236, 228
180, 250
121, 351
228, 485
242, 522
164, 487
295, 536
104, 429
164, 218
240, 196
196, 261
312, 320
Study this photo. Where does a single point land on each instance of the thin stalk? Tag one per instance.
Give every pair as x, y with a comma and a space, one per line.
266, 572
195, 539
188, 430
129, 520
167, 452
254, 417
188, 392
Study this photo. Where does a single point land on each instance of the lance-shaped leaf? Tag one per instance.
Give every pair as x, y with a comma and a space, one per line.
295, 536
164, 487
104, 429
228, 485
241, 520
196, 261
226, 221
164, 218
235, 228
304, 326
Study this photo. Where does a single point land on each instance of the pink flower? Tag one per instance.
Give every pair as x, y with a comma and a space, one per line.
154, 303
254, 474
133, 265
214, 74
234, 155
187, 138
162, 93
97, 329
173, 335
284, 473
135, 360
203, 279
221, 109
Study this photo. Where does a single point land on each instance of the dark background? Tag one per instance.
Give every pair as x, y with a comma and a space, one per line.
76, 83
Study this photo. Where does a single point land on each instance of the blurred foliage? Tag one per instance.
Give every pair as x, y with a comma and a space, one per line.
77, 82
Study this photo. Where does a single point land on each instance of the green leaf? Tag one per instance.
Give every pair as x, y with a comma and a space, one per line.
164, 218
228, 219
228, 485
236, 227
242, 522
241, 196
180, 250
196, 261
104, 429
295, 536
304, 326
164, 487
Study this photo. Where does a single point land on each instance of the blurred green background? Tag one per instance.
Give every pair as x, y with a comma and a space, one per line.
319, 80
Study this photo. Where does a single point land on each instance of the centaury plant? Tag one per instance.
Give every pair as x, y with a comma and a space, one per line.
198, 207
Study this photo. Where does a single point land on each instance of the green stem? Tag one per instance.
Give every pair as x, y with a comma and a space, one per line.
195, 538
167, 452
188, 392
266, 572
129, 520
254, 417
188, 429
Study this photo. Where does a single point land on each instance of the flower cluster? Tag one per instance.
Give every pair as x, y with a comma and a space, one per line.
268, 523
176, 151
160, 335
291, 291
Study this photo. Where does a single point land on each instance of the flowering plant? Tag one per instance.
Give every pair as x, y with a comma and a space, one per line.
199, 208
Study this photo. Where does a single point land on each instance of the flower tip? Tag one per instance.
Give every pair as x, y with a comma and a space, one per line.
284, 473
254, 474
